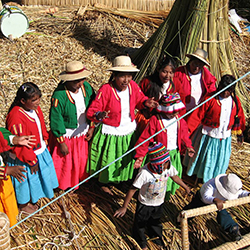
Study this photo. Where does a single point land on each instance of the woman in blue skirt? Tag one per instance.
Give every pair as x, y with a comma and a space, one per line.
219, 118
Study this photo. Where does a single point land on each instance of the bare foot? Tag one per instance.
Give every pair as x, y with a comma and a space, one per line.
27, 208
33, 206
106, 190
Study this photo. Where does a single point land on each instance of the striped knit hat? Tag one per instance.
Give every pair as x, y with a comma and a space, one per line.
158, 154
170, 103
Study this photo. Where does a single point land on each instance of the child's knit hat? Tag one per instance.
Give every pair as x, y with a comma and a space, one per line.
170, 103
158, 154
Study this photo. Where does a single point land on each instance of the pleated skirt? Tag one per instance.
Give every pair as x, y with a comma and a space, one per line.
38, 185
107, 148
71, 168
212, 156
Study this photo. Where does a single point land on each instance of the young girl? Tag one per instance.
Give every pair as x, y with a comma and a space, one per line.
7, 194
156, 85
219, 117
113, 108
151, 181
69, 127
25, 118
172, 137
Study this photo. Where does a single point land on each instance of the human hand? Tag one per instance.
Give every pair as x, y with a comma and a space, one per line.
219, 203
25, 140
191, 152
188, 190
102, 115
89, 134
16, 172
120, 212
151, 103
138, 162
64, 148
34, 169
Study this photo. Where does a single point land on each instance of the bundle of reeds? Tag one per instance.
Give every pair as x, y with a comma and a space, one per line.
192, 24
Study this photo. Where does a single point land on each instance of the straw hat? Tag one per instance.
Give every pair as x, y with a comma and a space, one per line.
74, 70
228, 185
200, 54
158, 154
123, 64
170, 103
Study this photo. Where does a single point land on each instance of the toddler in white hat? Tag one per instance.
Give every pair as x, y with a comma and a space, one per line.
217, 190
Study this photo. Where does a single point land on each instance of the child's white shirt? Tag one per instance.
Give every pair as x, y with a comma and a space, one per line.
152, 187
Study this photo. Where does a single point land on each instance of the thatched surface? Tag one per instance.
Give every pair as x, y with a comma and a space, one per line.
95, 39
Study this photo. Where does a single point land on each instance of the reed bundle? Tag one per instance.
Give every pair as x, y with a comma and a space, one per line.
192, 24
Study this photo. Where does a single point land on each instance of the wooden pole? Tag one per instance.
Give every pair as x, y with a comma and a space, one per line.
185, 214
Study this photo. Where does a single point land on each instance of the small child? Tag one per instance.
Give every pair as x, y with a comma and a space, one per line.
173, 137
70, 130
216, 191
25, 117
152, 183
8, 203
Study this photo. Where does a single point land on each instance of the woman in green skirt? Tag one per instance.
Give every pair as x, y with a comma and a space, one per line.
114, 111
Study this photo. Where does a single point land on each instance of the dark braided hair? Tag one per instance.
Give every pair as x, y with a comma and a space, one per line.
155, 84
26, 91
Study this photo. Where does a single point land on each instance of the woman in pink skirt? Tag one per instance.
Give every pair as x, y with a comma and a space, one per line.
70, 131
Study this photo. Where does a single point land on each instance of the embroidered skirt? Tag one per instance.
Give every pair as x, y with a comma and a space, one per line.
212, 157
71, 168
8, 203
175, 158
38, 185
107, 148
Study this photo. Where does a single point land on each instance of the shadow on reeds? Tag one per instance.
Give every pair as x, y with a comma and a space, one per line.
100, 42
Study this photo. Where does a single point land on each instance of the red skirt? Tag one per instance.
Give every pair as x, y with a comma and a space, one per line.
70, 169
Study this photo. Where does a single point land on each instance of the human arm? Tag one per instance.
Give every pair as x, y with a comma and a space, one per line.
19, 124
64, 148
26, 140
180, 182
121, 211
90, 133
16, 172
218, 203
34, 169
142, 150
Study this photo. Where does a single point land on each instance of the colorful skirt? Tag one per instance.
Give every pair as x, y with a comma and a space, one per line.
212, 157
71, 168
38, 185
8, 203
175, 158
106, 149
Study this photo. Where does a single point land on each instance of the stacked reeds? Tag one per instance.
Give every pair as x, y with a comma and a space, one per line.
192, 24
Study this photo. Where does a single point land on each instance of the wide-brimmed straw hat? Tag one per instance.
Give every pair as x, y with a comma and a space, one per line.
170, 104
228, 185
200, 54
123, 64
74, 70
